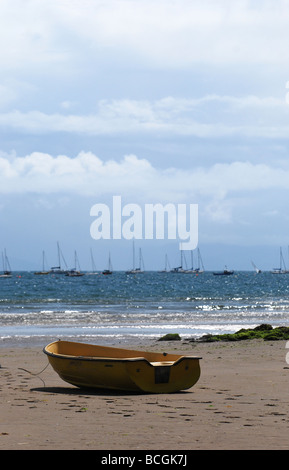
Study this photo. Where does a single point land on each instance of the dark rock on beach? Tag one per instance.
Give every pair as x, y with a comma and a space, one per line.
170, 337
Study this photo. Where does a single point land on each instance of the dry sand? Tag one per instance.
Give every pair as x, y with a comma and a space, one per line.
240, 402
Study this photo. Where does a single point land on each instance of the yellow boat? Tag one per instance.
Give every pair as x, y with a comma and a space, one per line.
87, 365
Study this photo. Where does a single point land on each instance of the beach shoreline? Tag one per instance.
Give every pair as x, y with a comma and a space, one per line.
240, 402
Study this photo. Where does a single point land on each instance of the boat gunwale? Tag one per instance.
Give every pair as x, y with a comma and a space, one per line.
118, 360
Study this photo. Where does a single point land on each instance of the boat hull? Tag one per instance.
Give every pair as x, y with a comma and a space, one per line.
91, 366
224, 273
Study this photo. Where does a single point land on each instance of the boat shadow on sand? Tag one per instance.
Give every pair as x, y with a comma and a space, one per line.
95, 392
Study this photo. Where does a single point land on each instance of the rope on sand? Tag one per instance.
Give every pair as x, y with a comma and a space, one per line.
34, 373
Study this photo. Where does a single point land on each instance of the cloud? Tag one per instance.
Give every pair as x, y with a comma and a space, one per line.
67, 104
85, 174
55, 191
156, 32
169, 33
88, 175
208, 116
29, 31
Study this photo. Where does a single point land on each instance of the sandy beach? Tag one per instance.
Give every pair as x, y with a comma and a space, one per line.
240, 402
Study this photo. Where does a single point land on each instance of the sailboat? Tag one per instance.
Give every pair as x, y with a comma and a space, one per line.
200, 268
282, 269
257, 270
180, 269
58, 269
167, 265
6, 266
93, 272
75, 272
109, 269
135, 270
44, 271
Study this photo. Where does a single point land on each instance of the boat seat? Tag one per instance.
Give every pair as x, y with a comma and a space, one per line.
162, 363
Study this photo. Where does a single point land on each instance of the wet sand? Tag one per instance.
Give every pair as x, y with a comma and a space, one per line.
241, 401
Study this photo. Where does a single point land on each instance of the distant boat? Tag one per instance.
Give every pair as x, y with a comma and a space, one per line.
6, 266
140, 269
180, 269
58, 269
44, 271
75, 272
226, 272
109, 269
167, 266
93, 265
200, 269
255, 267
282, 269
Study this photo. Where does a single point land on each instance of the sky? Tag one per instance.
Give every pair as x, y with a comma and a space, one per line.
180, 102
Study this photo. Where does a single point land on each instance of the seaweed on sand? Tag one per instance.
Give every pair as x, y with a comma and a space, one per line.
263, 331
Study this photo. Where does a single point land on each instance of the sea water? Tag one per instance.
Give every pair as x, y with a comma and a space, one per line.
122, 308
